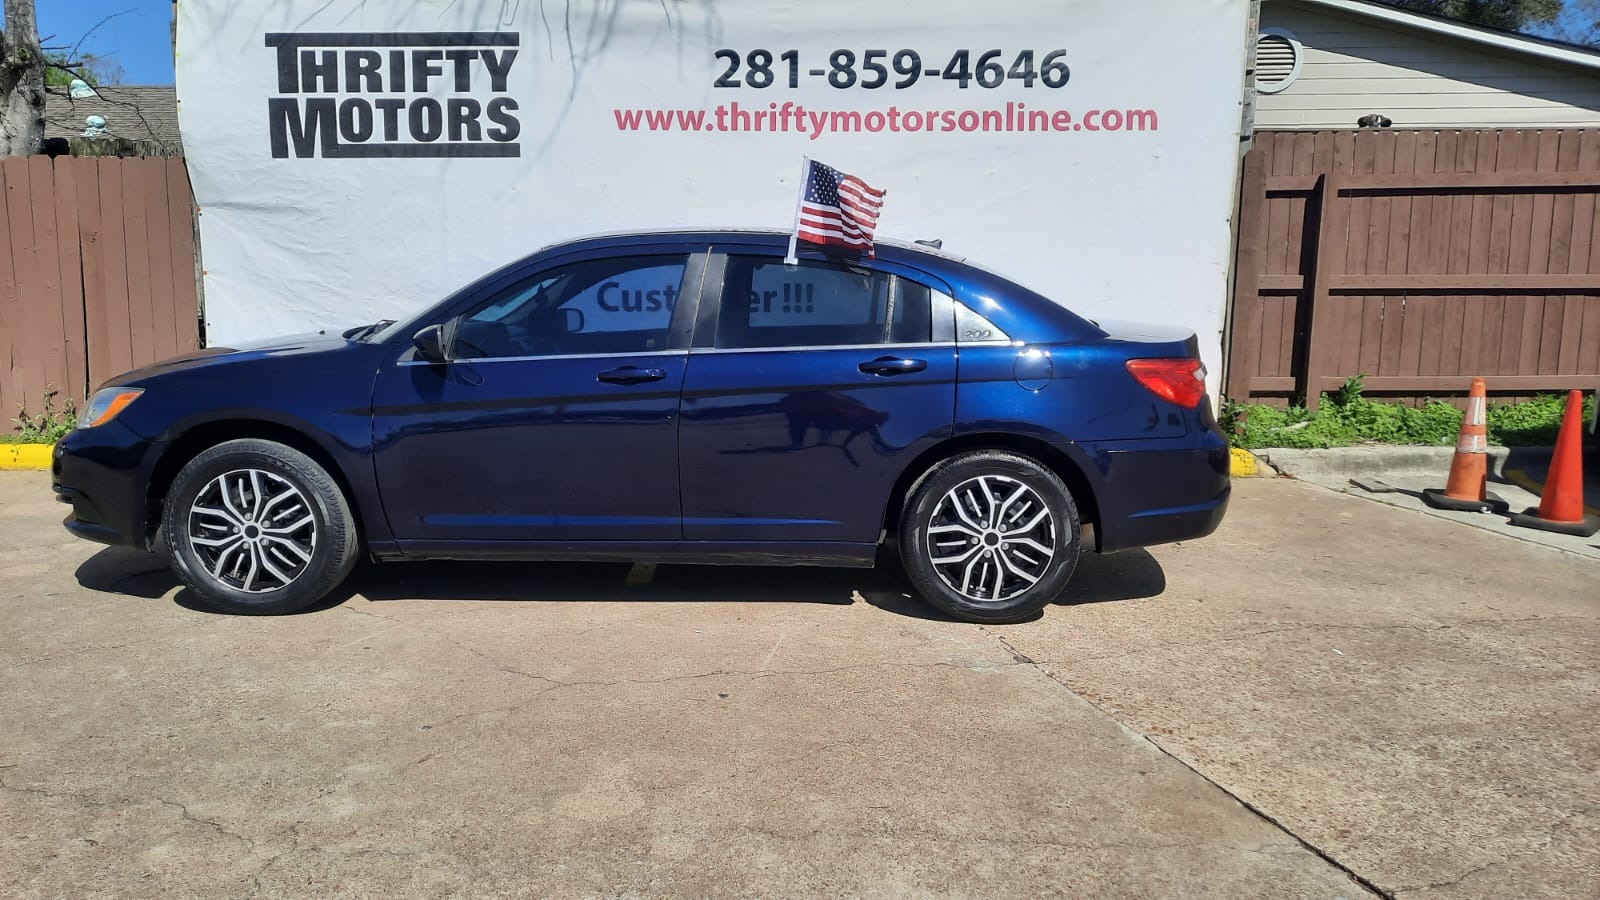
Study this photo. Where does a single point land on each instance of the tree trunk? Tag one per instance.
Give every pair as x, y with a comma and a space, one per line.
21, 82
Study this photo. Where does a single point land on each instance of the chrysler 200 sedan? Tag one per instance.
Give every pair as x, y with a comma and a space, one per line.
667, 397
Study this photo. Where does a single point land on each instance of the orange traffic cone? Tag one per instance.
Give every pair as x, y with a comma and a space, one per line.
1467, 489
1561, 505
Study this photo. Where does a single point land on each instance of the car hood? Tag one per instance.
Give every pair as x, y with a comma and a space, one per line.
305, 349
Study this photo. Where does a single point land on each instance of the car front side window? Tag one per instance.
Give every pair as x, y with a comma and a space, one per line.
598, 306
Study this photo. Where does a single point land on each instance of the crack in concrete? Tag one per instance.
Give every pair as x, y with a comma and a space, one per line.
295, 846
97, 648
757, 673
1548, 840
1260, 813
220, 828
86, 800
899, 833
1435, 885
55, 795
556, 683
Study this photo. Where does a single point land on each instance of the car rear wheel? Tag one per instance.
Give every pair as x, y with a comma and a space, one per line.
990, 536
258, 528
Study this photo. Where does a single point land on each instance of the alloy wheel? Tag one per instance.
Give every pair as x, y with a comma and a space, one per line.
252, 530
991, 538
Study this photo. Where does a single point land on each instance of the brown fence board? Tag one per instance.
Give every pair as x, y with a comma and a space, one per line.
166, 327
1246, 322
114, 253
1570, 332
10, 311
136, 239
27, 370
1362, 218
1458, 242
185, 274
45, 308
79, 240
1435, 237
1436, 257
74, 351
96, 339
1589, 340
1475, 354
1527, 354
1279, 215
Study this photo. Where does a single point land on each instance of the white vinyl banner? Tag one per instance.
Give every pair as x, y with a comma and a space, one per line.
357, 161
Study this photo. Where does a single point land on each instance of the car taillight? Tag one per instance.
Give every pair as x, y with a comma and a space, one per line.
1181, 381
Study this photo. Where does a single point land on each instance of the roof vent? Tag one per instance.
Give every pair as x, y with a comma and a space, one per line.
1278, 58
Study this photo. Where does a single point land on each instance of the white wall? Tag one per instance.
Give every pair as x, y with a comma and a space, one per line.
1125, 224
1353, 67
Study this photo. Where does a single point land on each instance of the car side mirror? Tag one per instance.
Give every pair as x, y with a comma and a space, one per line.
430, 344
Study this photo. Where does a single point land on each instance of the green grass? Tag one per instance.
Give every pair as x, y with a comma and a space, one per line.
1347, 418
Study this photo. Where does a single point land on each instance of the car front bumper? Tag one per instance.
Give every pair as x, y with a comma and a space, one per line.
103, 473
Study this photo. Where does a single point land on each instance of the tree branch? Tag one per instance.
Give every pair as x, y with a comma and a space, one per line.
96, 27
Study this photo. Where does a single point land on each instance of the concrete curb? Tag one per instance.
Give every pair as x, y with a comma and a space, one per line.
25, 456
1397, 476
1378, 460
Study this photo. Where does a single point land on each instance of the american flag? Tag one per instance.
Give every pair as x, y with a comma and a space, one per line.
837, 209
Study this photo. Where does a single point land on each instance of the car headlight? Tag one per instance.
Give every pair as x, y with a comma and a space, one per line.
106, 404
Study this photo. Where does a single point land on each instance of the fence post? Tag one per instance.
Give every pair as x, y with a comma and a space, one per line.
1245, 323
1321, 333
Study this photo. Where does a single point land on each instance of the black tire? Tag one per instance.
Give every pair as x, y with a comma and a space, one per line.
1002, 544
313, 558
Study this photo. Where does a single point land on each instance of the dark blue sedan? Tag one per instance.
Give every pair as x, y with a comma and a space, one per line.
669, 397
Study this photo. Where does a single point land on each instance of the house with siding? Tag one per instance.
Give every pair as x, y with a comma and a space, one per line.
1420, 205
1324, 64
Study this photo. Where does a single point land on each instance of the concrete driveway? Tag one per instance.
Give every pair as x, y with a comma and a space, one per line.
1395, 697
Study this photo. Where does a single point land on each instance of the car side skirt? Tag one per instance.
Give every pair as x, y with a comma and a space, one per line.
710, 553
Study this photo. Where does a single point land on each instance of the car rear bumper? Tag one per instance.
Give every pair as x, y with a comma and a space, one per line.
1155, 493
102, 473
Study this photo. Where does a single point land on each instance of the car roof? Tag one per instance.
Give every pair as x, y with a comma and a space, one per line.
1021, 316
748, 236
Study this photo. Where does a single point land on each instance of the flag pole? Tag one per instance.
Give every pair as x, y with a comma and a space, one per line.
794, 230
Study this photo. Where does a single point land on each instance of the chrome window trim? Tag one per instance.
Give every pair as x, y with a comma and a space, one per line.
498, 359
802, 348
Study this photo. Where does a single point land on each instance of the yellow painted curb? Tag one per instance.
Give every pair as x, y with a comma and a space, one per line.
25, 456
1242, 463
1535, 487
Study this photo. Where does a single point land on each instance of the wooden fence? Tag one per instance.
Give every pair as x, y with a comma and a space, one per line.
97, 273
1418, 259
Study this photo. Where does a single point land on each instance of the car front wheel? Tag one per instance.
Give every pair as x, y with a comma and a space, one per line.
255, 527
990, 536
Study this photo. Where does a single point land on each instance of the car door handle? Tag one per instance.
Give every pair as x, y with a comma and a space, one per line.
892, 365
631, 375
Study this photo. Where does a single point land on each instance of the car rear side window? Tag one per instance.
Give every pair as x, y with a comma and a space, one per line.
768, 304
613, 305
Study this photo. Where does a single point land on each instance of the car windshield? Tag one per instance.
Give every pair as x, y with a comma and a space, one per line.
411, 323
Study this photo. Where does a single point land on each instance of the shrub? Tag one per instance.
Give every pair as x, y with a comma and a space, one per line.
1347, 417
51, 424
1534, 423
